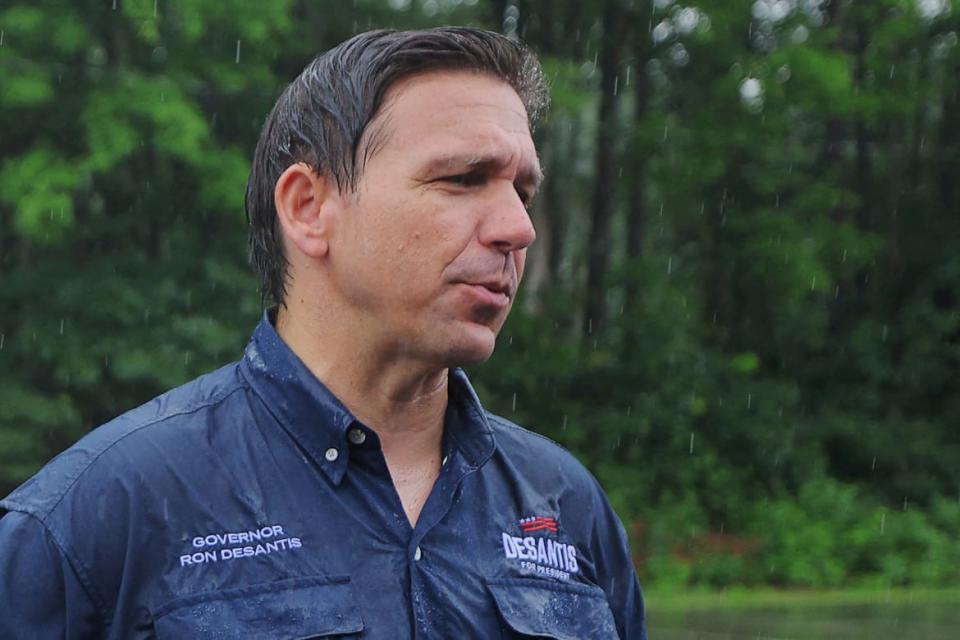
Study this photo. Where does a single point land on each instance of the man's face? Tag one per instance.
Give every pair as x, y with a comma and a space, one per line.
429, 251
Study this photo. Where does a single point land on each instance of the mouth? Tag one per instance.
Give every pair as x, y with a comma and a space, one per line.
490, 293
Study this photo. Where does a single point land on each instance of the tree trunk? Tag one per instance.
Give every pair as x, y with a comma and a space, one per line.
595, 311
950, 147
637, 207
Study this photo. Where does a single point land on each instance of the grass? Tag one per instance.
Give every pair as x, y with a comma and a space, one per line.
772, 598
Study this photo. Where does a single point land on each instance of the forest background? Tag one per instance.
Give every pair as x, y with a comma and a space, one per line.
742, 311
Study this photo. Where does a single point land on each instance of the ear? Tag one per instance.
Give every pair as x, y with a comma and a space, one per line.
306, 204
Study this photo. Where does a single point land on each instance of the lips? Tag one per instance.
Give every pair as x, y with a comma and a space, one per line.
496, 294
496, 286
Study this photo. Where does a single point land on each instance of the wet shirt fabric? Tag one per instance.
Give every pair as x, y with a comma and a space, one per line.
251, 503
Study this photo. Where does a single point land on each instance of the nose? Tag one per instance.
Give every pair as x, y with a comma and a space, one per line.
507, 226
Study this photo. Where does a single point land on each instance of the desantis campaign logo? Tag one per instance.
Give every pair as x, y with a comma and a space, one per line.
537, 551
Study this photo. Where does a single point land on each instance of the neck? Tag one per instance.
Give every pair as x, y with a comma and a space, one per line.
403, 400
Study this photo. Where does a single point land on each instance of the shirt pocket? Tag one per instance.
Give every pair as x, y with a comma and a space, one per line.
309, 607
531, 607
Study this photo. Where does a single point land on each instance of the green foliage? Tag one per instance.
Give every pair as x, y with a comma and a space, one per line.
774, 398
39, 186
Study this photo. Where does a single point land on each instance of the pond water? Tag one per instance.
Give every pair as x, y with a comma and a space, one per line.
938, 621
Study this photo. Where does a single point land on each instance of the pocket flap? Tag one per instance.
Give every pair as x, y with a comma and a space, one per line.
560, 610
308, 607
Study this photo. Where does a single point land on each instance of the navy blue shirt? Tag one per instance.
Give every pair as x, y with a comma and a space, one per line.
251, 503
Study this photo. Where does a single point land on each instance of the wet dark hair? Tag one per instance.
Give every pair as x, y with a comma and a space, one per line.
321, 117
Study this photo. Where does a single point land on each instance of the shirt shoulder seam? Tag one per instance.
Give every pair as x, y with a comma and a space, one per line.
85, 467
503, 422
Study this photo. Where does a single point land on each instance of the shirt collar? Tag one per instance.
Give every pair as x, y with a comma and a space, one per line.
466, 421
318, 421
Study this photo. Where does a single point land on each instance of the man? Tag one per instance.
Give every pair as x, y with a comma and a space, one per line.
343, 478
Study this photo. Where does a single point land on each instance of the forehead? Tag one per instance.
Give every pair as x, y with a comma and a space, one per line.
454, 111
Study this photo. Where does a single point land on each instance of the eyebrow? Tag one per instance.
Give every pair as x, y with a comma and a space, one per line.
530, 174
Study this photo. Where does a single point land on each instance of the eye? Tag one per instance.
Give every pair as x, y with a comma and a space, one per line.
525, 197
469, 179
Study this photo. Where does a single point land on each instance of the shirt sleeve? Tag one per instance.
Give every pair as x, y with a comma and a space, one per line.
41, 595
618, 577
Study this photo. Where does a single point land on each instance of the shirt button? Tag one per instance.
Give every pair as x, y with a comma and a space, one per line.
417, 554
357, 436
332, 454
443, 463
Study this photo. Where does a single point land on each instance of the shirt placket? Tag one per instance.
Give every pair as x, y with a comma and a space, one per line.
453, 469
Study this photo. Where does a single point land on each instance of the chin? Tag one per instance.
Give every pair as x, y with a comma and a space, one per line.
472, 347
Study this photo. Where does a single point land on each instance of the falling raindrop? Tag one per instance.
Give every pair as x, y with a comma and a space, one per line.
749, 400
563, 426
514, 405
873, 465
883, 522
237, 59
61, 326
691, 442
